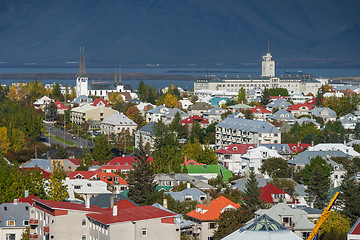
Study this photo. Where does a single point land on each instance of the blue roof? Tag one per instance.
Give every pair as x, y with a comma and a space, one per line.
215, 101
44, 164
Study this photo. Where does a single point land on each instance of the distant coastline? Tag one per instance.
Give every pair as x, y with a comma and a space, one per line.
95, 76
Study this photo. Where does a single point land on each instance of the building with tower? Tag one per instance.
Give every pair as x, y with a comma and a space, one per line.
97, 88
304, 83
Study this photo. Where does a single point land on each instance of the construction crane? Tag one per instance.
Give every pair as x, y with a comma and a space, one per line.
323, 216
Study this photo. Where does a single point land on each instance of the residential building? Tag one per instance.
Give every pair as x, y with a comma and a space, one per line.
199, 108
80, 115
274, 195
14, 219
326, 114
144, 107
300, 109
245, 131
190, 120
349, 121
214, 114
263, 227
307, 120
295, 220
335, 147
282, 116
185, 104
354, 233
279, 103
170, 115
146, 133
260, 113
189, 194
230, 156
154, 114
117, 123
100, 102
205, 215
41, 103
173, 180
61, 108
239, 107
84, 188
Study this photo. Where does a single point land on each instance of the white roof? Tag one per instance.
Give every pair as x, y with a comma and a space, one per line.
259, 153
86, 187
334, 147
119, 119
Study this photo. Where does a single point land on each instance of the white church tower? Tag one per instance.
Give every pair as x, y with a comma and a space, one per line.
81, 78
268, 65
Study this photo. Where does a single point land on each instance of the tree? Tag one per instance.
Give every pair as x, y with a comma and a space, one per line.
57, 191
141, 179
350, 198
252, 193
275, 167
4, 140
316, 175
200, 153
50, 112
287, 185
102, 151
278, 92
230, 220
170, 100
265, 97
242, 96
336, 226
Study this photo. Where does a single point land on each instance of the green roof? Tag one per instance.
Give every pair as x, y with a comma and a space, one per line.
164, 188
209, 169
241, 106
125, 193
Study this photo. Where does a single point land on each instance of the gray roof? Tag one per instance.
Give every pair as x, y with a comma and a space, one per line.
102, 86
157, 110
300, 77
214, 110
178, 219
348, 118
44, 164
19, 212
200, 106
119, 119
241, 183
318, 112
310, 210
104, 200
280, 147
305, 157
193, 192
282, 114
82, 99
173, 112
306, 120
248, 125
148, 129
278, 103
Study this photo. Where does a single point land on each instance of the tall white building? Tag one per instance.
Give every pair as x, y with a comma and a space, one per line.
268, 65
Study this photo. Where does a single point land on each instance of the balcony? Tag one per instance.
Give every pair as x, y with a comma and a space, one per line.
34, 222
33, 236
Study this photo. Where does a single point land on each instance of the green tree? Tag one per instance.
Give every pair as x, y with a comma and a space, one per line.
252, 193
287, 185
278, 92
50, 112
242, 96
141, 179
275, 167
200, 153
57, 191
102, 150
231, 220
350, 198
316, 175
265, 97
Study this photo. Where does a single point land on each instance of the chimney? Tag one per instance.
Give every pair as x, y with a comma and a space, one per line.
188, 185
298, 144
312, 143
115, 211
15, 201
112, 201
185, 159
87, 201
165, 203
26, 194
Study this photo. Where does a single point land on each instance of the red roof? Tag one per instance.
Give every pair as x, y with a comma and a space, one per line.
29, 199
295, 148
68, 206
190, 162
259, 110
277, 97
212, 211
355, 230
268, 190
299, 105
130, 214
123, 203
124, 161
45, 173
60, 105
236, 149
83, 174
115, 167
195, 118
98, 100
104, 177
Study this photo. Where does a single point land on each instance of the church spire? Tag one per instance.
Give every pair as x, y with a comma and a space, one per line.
83, 62
80, 64
115, 78
82, 72
268, 49
120, 81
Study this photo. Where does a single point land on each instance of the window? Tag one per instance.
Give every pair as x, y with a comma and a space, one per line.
5, 208
83, 222
144, 232
211, 225
26, 222
83, 237
10, 236
11, 222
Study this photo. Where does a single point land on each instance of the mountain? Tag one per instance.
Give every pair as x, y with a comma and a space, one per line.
130, 32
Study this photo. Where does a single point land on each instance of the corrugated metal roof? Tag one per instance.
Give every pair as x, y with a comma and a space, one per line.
248, 125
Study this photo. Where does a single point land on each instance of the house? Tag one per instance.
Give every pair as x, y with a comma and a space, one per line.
120, 164
306, 120
61, 108
44, 164
170, 115
117, 123
273, 195
173, 180
154, 115
190, 120
144, 107
205, 215
114, 182
282, 116
300, 109
82, 175
295, 220
214, 114
84, 188
100, 102
146, 133
82, 100
354, 233
189, 194
185, 104
15, 218
279, 103
255, 157
245, 131
263, 227
42, 103
260, 113
199, 108
87, 113
326, 114
349, 121
230, 156
335, 147
110, 199
239, 107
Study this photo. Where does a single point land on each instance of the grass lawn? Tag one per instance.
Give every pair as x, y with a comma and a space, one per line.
63, 141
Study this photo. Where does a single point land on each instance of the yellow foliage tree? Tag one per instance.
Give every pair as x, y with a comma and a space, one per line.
17, 140
12, 94
4, 140
170, 101
335, 222
116, 97
132, 112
